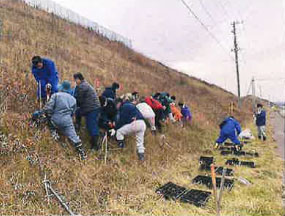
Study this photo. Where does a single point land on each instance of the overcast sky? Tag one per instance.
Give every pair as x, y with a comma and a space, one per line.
166, 31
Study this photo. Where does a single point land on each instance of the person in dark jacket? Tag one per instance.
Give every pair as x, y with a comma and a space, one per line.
130, 121
108, 113
260, 122
89, 107
230, 129
45, 73
110, 92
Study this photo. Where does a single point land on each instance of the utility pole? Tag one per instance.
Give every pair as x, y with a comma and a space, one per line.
253, 94
236, 50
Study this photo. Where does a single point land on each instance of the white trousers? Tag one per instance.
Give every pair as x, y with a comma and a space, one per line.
136, 127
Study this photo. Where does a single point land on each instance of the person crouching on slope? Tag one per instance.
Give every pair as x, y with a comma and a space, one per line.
46, 75
130, 121
148, 114
230, 129
60, 109
187, 116
89, 107
261, 122
110, 92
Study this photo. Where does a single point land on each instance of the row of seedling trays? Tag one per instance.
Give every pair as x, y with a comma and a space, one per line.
198, 197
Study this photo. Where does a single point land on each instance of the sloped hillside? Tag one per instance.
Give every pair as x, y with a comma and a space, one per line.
123, 185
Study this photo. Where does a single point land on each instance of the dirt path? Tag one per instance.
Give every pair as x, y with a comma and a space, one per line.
277, 122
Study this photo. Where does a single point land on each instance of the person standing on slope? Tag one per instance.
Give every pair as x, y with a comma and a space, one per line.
260, 122
46, 75
230, 129
89, 107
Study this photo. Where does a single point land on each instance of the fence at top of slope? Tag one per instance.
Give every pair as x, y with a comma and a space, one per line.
52, 7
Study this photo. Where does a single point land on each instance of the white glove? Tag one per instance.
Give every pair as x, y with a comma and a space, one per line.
112, 132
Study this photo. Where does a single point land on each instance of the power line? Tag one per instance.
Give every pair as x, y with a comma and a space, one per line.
205, 27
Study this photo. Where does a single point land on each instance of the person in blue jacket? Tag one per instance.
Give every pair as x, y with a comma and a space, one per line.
130, 121
260, 122
45, 73
230, 129
185, 111
110, 92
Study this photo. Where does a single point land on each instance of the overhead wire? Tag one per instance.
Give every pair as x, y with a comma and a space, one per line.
205, 27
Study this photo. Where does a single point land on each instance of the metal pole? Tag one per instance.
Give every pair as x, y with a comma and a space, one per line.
40, 94
106, 147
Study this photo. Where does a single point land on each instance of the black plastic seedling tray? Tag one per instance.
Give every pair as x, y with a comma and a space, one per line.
236, 162
229, 172
171, 191
206, 160
196, 197
207, 181
218, 170
240, 153
227, 148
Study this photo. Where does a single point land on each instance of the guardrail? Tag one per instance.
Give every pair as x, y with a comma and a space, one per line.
52, 7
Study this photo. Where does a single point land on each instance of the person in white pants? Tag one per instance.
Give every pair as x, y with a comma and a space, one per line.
148, 115
130, 121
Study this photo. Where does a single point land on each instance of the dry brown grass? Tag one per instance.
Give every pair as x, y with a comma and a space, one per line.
123, 186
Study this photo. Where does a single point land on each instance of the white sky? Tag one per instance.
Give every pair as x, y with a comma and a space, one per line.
165, 30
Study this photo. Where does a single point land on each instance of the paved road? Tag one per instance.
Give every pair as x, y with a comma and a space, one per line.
277, 122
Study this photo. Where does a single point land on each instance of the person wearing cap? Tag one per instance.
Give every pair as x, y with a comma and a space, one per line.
65, 86
45, 73
230, 129
186, 113
89, 107
60, 109
110, 92
260, 121
130, 121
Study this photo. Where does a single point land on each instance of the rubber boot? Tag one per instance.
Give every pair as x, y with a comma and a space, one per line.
81, 151
94, 143
141, 156
121, 144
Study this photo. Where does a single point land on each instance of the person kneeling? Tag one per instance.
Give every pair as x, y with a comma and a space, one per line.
130, 121
60, 109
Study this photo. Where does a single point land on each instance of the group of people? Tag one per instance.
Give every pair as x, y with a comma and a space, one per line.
118, 116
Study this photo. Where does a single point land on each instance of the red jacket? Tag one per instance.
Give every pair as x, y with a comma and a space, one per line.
154, 104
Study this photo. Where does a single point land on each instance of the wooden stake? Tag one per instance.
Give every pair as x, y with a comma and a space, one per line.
221, 189
213, 174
